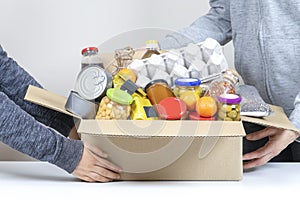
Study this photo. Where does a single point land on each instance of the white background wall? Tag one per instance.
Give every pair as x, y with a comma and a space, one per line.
46, 36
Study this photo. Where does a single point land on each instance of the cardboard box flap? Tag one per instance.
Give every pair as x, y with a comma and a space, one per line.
47, 99
140, 128
276, 119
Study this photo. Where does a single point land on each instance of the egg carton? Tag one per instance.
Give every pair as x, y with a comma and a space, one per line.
204, 60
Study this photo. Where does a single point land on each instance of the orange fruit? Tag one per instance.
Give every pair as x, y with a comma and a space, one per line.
190, 98
206, 106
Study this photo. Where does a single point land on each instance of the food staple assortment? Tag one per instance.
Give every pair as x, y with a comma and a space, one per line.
191, 83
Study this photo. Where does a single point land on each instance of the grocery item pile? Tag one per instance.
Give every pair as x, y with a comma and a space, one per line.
193, 83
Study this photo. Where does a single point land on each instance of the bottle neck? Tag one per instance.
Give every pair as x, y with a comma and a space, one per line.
88, 53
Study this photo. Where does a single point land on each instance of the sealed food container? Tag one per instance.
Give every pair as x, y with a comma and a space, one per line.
172, 108
92, 83
229, 108
227, 83
152, 47
79, 106
187, 84
141, 108
116, 105
158, 90
90, 57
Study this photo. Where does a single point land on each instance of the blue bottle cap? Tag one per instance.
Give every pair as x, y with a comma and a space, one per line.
187, 82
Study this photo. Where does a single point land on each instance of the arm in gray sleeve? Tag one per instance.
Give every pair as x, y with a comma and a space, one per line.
14, 82
295, 115
215, 24
22, 132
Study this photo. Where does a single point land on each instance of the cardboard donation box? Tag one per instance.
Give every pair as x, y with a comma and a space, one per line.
166, 150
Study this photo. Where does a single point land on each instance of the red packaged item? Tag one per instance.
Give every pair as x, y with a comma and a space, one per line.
171, 108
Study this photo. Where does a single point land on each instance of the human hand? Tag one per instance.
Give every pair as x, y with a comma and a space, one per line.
73, 134
93, 166
279, 139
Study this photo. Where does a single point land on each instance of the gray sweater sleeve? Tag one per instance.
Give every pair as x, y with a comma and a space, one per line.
22, 132
215, 24
18, 125
14, 82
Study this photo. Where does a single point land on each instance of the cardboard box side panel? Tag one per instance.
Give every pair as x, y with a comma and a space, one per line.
145, 128
184, 158
276, 119
47, 99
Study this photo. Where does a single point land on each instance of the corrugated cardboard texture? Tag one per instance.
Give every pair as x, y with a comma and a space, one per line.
161, 128
276, 119
173, 158
47, 99
167, 150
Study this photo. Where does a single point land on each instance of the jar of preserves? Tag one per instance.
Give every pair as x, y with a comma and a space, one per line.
115, 105
158, 90
187, 84
229, 108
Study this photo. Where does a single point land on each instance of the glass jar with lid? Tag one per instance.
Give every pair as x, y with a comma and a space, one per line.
91, 57
187, 84
229, 108
115, 105
158, 90
226, 83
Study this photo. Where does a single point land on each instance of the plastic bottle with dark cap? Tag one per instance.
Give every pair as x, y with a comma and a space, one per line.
91, 57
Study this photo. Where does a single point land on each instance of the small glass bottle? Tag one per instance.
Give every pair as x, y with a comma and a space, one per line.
90, 57
229, 107
226, 83
152, 47
116, 105
158, 90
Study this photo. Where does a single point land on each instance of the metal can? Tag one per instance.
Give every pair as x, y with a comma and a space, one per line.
92, 83
229, 108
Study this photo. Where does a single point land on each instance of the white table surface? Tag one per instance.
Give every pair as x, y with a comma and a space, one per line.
39, 180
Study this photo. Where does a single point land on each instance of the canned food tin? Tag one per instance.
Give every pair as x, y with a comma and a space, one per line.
92, 83
81, 107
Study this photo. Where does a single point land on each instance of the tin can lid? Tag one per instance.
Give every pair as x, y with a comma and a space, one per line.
187, 81
119, 96
171, 108
230, 98
89, 49
195, 116
92, 82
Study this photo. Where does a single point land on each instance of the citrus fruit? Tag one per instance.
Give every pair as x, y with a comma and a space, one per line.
190, 98
206, 106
